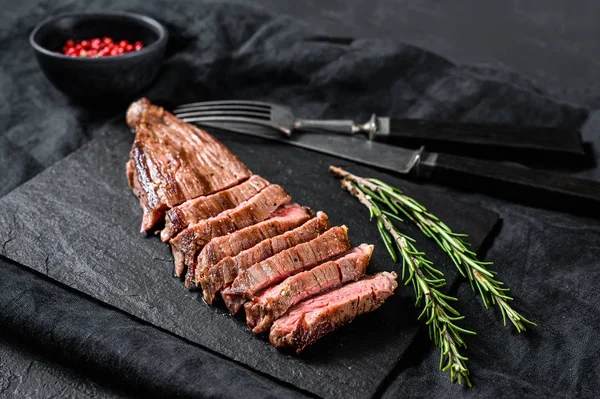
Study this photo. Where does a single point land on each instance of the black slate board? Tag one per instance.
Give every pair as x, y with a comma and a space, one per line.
78, 222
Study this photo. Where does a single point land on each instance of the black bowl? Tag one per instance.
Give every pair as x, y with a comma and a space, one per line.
116, 79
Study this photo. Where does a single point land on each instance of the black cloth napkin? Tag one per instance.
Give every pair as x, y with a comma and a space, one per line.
222, 50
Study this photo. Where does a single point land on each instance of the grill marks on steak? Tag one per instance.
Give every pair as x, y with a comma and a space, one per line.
310, 320
283, 219
185, 245
264, 309
219, 276
284, 264
172, 162
193, 211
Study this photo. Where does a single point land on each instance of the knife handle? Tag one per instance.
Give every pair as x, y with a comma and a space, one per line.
506, 139
533, 186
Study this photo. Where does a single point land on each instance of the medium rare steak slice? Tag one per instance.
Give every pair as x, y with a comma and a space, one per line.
310, 320
283, 219
185, 245
219, 276
284, 264
264, 309
193, 211
172, 162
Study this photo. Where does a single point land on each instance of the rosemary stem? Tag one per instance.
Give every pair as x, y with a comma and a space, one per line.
437, 310
491, 290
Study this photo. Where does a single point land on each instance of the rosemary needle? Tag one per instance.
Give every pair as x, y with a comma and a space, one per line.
427, 281
480, 277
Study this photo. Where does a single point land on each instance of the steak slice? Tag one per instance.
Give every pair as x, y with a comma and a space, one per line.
219, 276
282, 265
185, 245
193, 211
283, 219
172, 162
264, 309
310, 320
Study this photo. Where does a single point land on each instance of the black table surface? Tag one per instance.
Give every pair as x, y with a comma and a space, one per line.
554, 43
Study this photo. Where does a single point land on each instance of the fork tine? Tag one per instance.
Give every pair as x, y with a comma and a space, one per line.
224, 108
227, 102
228, 119
220, 113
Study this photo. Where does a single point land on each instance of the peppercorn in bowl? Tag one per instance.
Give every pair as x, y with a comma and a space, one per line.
95, 57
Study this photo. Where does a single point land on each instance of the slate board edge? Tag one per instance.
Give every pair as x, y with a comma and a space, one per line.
51, 170
147, 323
91, 144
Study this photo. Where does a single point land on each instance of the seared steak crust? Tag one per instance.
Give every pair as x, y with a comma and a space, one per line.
185, 245
195, 210
264, 309
310, 320
284, 264
236, 234
217, 277
172, 161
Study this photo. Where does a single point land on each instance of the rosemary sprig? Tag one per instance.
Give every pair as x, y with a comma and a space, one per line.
491, 290
427, 282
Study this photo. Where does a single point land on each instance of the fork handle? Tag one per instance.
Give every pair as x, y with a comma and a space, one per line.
331, 125
476, 136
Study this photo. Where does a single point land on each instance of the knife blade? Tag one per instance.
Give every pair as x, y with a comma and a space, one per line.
532, 186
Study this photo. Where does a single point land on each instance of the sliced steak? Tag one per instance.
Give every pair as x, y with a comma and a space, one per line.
284, 264
219, 276
172, 162
189, 242
283, 219
193, 211
264, 309
310, 320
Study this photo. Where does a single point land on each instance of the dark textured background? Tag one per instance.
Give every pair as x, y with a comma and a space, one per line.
549, 259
